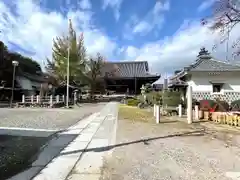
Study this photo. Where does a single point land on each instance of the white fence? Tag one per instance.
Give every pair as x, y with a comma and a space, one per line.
42, 101
226, 96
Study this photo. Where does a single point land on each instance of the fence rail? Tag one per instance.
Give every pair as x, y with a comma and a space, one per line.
38, 101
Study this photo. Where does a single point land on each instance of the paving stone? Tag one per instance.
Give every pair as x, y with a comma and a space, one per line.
84, 137
84, 177
62, 140
59, 168
46, 156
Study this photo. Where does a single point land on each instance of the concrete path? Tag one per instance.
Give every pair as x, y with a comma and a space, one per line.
77, 152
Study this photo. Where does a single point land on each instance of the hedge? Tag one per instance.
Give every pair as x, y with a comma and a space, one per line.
169, 98
235, 105
133, 102
217, 105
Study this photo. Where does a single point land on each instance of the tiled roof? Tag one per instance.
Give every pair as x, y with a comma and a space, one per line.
209, 64
126, 69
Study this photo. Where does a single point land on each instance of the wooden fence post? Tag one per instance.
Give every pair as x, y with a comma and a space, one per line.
196, 112
38, 99
23, 98
157, 114
51, 101
32, 99
57, 98
154, 110
180, 110
189, 105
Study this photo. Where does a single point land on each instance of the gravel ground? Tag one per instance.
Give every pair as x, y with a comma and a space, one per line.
17, 153
167, 156
46, 118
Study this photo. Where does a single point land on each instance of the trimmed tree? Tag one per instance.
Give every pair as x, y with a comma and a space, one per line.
95, 65
77, 58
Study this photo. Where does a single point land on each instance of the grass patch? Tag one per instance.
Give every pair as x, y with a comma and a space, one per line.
135, 114
17, 153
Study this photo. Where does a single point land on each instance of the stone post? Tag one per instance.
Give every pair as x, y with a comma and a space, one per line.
154, 110
157, 114
196, 112
51, 101
189, 104
180, 110
38, 99
57, 99
63, 98
32, 99
23, 98
75, 97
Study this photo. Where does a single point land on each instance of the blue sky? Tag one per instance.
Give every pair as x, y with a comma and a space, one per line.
166, 33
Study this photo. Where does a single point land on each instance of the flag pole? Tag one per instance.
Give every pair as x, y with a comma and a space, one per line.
67, 98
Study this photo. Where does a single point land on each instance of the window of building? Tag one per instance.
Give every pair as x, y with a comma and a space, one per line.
217, 88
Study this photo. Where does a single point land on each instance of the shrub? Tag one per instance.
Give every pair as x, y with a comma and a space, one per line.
216, 105
235, 105
133, 102
222, 106
194, 102
206, 104
171, 98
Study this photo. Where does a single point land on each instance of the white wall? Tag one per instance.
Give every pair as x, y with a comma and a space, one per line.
24, 82
201, 81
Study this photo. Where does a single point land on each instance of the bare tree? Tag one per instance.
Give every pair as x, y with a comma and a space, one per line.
225, 16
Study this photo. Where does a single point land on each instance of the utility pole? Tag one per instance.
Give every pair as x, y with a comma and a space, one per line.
67, 98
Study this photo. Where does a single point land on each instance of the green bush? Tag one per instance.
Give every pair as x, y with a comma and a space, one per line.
206, 104
194, 102
133, 102
222, 106
235, 105
169, 98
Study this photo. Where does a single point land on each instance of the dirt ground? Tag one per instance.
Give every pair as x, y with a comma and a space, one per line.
171, 151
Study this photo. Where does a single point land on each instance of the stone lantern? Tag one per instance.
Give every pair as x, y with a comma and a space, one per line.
143, 92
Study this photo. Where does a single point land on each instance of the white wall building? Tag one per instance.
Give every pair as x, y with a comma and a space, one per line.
209, 78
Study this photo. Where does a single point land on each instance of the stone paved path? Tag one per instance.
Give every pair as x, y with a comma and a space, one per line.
81, 146
169, 151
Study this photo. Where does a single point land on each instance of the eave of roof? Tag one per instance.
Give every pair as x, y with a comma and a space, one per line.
126, 69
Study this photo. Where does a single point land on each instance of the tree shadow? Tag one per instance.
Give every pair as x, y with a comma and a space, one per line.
144, 141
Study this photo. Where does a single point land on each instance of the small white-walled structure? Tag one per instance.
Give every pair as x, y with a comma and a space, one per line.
209, 79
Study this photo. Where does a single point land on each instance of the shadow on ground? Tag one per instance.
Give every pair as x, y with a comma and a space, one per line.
146, 141
18, 153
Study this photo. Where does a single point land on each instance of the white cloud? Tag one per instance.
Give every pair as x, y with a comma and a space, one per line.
172, 53
131, 52
142, 26
85, 4
153, 19
115, 5
205, 5
32, 28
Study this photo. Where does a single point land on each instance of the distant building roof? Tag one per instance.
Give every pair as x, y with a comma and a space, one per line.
127, 69
210, 64
204, 63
